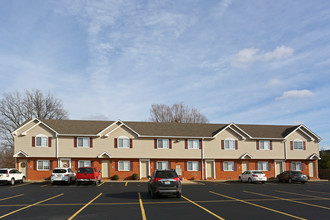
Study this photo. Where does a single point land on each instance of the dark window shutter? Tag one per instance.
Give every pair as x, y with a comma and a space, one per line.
302, 166
75, 141
155, 143
186, 144
33, 141
258, 145
257, 168
77, 164
116, 143
222, 144
235, 166
49, 141
221, 165
91, 142
131, 165
271, 145
51, 165
200, 144
291, 145
236, 144
92, 163
131, 142
269, 166
304, 143
35, 164
170, 143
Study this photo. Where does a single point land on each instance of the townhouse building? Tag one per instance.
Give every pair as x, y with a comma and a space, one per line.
195, 151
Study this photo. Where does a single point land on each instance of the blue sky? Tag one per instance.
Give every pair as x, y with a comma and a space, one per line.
252, 62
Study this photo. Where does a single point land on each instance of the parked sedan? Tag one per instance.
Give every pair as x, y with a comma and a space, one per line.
164, 182
253, 176
292, 176
63, 175
10, 176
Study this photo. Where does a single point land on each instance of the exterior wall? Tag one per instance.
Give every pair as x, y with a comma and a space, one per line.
311, 146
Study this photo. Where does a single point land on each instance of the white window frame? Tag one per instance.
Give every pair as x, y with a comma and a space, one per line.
162, 163
228, 165
193, 143
162, 141
192, 166
45, 164
84, 163
296, 144
126, 165
230, 144
263, 165
43, 140
294, 165
262, 145
84, 141
121, 142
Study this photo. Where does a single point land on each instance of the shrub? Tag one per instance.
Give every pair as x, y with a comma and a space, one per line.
115, 177
135, 176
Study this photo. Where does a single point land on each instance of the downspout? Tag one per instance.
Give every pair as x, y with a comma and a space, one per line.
202, 157
58, 162
285, 156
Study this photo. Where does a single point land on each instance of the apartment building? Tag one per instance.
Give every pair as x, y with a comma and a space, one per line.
195, 151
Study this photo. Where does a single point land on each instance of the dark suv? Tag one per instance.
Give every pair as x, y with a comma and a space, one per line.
164, 182
292, 176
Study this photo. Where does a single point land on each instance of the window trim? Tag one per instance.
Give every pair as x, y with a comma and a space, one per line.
162, 165
263, 141
262, 165
190, 146
227, 170
123, 138
295, 168
124, 161
168, 143
43, 169
192, 166
89, 145
90, 162
228, 140
41, 136
298, 141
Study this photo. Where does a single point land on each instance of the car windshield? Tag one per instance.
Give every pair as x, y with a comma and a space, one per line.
257, 172
166, 174
85, 170
296, 173
3, 171
59, 171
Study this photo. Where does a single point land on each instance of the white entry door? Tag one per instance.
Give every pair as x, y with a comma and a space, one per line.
210, 169
245, 166
278, 167
105, 168
311, 167
144, 168
23, 167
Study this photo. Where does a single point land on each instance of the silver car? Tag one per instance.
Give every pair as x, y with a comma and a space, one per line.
63, 175
253, 176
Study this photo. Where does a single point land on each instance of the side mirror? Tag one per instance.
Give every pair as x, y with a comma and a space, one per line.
149, 177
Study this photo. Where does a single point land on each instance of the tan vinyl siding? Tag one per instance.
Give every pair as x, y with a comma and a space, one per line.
311, 146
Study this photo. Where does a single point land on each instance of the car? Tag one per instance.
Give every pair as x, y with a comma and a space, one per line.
292, 176
63, 175
89, 174
252, 176
11, 176
164, 182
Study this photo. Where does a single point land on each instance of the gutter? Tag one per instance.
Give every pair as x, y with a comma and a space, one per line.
202, 157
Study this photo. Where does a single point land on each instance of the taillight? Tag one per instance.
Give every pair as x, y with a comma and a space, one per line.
176, 178
295, 176
7, 173
255, 175
265, 175
66, 175
157, 179
53, 174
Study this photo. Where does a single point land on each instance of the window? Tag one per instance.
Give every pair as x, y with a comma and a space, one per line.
298, 145
296, 166
124, 165
192, 166
193, 144
41, 141
228, 166
162, 143
84, 163
123, 142
43, 165
263, 166
230, 144
264, 145
162, 165
83, 142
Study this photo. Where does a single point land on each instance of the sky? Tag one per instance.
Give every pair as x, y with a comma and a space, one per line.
247, 62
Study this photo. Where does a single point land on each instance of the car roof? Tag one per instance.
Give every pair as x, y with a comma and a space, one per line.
8, 169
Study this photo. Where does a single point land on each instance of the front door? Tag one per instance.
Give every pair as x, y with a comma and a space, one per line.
209, 169
279, 167
23, 167
65, 163
144, 169
105, 168
245, 166
311, 167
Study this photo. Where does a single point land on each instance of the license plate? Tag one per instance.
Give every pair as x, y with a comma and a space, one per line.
167, 182
58, 175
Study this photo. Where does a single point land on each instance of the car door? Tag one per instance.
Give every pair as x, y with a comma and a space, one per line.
19, 175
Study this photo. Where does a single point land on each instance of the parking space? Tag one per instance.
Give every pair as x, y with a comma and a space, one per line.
201, 200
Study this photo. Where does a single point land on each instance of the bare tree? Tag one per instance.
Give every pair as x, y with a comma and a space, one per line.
16, 108
178, 113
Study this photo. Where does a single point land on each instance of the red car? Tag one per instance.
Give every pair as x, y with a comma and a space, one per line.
89, 174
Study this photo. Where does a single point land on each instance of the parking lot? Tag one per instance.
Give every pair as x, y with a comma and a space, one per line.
200, 200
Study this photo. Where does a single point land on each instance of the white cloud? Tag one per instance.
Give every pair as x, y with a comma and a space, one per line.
275, 82
295, 93
248, 56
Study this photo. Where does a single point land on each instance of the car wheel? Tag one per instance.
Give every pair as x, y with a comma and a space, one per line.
99, 180
149, 191
23, 179
12, 181
290, 180
178, 195
277, 179
96, 182
78, 182
52, 182
303, 182
69, 181
263, 182
240, 179
250, 180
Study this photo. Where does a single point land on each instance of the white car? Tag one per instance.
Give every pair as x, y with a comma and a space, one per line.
63, 175
11, 175
253, 176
